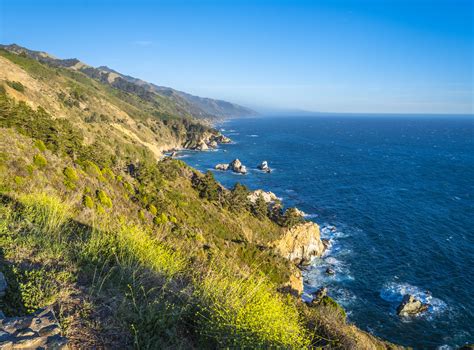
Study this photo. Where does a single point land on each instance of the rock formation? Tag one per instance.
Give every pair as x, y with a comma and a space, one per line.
38, 331
264, 167
301, 243
411, 306
237, 167
222, 167
268, 197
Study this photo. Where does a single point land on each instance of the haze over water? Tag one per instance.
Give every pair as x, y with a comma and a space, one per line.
399, 192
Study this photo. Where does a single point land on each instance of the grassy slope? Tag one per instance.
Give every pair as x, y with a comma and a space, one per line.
135, 261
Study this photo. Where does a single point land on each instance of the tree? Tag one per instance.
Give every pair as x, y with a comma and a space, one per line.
260, 207
207, 186
292, 217
238, 198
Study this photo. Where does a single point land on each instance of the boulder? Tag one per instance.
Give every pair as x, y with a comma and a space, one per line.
38, 331
212, 144
264, 167
222, 167
222, 139
330, 271
3, 285
319, 295
300, 243
237, 167
411, 306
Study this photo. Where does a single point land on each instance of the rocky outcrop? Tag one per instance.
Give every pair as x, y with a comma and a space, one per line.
38, 331
268, 197
301, 243
237, 167
208, 141
222, 167
411, 306
264, 167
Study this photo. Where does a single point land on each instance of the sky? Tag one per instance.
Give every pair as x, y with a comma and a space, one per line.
360, 56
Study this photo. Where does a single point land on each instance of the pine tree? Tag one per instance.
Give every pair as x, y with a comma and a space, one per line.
260, 207
238, 200
292, 217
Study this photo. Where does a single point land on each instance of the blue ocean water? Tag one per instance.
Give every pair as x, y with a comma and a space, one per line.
400, 194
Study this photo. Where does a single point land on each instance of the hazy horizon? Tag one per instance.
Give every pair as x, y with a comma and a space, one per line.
399, 57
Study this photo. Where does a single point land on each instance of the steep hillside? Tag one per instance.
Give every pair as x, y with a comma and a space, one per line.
165, 99
135, 250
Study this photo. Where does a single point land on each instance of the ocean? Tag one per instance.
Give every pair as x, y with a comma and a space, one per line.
399, 192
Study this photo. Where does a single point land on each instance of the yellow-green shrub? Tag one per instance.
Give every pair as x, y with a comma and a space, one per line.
39, 160
247, 312
152, 209
88, 201
130, 245
104, 199
40, 145
48, 212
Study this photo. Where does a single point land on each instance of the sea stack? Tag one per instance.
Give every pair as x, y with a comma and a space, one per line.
264, 167
237, 167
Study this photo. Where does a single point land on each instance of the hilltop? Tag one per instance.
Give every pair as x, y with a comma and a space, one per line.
166, 99
132, 249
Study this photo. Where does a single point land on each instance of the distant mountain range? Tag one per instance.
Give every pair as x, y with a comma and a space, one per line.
182, 103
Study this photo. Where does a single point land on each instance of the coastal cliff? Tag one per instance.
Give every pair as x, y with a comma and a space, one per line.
301, 243
128, 247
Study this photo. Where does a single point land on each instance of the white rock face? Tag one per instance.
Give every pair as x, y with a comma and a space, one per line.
268, 197
264, 167
222, 167
411, 306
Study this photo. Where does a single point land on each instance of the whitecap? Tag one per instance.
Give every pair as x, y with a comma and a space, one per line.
393, 293
253, 135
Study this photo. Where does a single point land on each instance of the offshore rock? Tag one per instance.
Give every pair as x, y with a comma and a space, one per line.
222, 167
38, 331
300, 243
264, 167
411, 306
237, 167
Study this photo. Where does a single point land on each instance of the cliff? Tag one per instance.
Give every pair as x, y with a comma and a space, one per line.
301, 243
131, 249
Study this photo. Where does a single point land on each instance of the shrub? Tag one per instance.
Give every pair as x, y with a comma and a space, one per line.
40, 145
152, 209
39, 160
108, 173
292, 217
327, 301
161, 219
71, 177
104, 199
16, 85
247, 313
141, 215
92, 169
88, 201
48, 213
130, 245
207, 186
260, 207
39, 288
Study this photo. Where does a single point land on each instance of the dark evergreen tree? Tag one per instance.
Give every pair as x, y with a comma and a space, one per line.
238, 200
260, 207
292, 217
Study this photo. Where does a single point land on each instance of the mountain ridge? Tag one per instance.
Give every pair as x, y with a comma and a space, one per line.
186, 104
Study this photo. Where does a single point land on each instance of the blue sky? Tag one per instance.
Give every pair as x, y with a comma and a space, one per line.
393, 56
